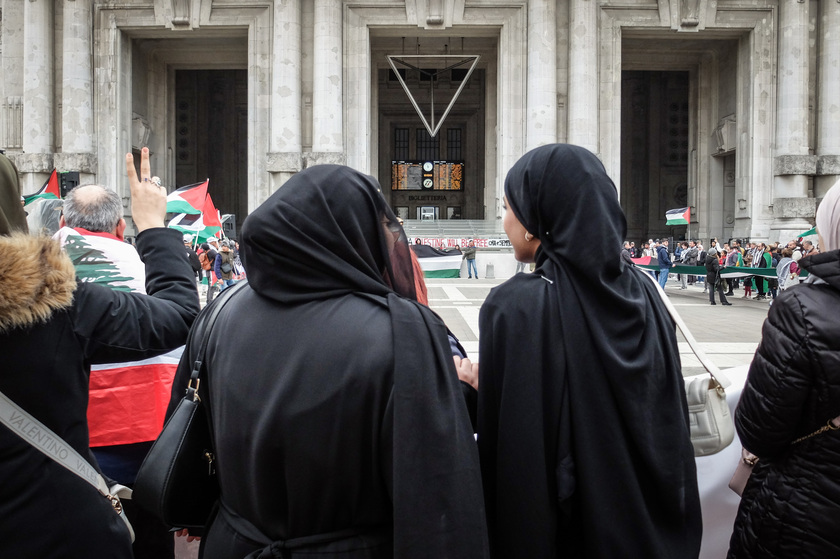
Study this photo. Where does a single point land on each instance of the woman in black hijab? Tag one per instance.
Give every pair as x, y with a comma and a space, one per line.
339, 423
582, 420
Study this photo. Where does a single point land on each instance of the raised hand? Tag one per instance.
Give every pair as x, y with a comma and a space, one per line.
148, 201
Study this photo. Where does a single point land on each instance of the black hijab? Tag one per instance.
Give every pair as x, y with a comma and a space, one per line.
12, 216
603, 378
326, 232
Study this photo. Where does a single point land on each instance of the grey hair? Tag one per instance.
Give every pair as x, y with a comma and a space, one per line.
99, 212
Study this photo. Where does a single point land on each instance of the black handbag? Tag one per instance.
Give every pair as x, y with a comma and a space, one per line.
177, 480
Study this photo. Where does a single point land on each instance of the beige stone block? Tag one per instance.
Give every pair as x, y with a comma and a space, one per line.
795, 165
284, 162
794, 207
828, 164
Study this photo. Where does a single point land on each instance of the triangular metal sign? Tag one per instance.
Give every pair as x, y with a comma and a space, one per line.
434, 127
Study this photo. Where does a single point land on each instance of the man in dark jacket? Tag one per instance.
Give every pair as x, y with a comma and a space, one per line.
127, 400
664, 262
192, 257
712, 271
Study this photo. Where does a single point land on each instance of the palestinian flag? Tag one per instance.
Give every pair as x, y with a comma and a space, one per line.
211, 214
679, 216
50, 190
187, 199
438, 263
812, 231
203, 225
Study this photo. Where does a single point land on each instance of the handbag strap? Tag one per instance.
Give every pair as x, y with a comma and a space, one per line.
28, 428
214, 311
721, 379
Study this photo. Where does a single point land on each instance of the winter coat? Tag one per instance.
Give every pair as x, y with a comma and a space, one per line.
792, 499
469, 253
52, 328
712, 265
663, 257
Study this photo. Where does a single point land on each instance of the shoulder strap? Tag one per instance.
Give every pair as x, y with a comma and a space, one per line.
213, 313
41, 437
710, 367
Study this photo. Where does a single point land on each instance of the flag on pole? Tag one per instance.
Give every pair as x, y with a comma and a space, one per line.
203, 225
187, 199
212, 218
50, 190
679, 216
812, 231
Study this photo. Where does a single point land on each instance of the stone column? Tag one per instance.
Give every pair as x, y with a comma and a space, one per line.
542, 74
583, 74
285, 141
77, 123
792, 162
37, 92
327, 103
828, 95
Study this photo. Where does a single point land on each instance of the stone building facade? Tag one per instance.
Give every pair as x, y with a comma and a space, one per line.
731, 107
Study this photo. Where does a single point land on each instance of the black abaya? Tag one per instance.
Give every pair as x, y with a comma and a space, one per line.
582, 421
339, 423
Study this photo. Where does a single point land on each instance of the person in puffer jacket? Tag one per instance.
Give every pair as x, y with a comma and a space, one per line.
791, 502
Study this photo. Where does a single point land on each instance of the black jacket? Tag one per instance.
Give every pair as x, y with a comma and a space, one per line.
790, 504
52, 328
712, 265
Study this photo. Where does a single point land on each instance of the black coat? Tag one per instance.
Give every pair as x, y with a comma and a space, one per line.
712, 265
335, 404
51, 330
582, 421
790, 505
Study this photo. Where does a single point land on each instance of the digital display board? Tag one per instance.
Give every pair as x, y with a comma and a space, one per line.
427, 175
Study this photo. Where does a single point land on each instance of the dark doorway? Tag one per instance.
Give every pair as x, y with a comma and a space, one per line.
425, 177
211, 135
655, 120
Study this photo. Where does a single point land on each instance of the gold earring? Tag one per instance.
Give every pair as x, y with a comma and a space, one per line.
528, 237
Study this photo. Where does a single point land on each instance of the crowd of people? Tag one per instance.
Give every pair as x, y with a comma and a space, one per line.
734, 254
347, 419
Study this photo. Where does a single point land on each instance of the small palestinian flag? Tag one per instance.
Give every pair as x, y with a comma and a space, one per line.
679, 216
50, 190
809, 232
187, 199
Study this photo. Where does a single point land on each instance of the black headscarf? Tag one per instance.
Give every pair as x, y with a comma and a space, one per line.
12, 216
326, 232
602, 403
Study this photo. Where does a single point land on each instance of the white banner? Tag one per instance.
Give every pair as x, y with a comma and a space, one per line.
452, 242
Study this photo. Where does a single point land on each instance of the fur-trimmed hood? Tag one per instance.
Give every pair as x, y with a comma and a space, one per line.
36, 280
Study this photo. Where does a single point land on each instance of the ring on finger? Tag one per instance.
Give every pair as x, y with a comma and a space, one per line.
146, 179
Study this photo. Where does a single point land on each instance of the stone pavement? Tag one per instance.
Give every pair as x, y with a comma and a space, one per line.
729, 335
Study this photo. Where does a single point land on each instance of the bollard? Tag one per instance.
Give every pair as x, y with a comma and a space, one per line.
489, 271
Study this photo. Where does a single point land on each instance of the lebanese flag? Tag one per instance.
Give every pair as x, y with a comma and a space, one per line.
50, 190
679, 216
128, 401
187, 199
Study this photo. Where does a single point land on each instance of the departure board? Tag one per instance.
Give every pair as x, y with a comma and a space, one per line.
427, 175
